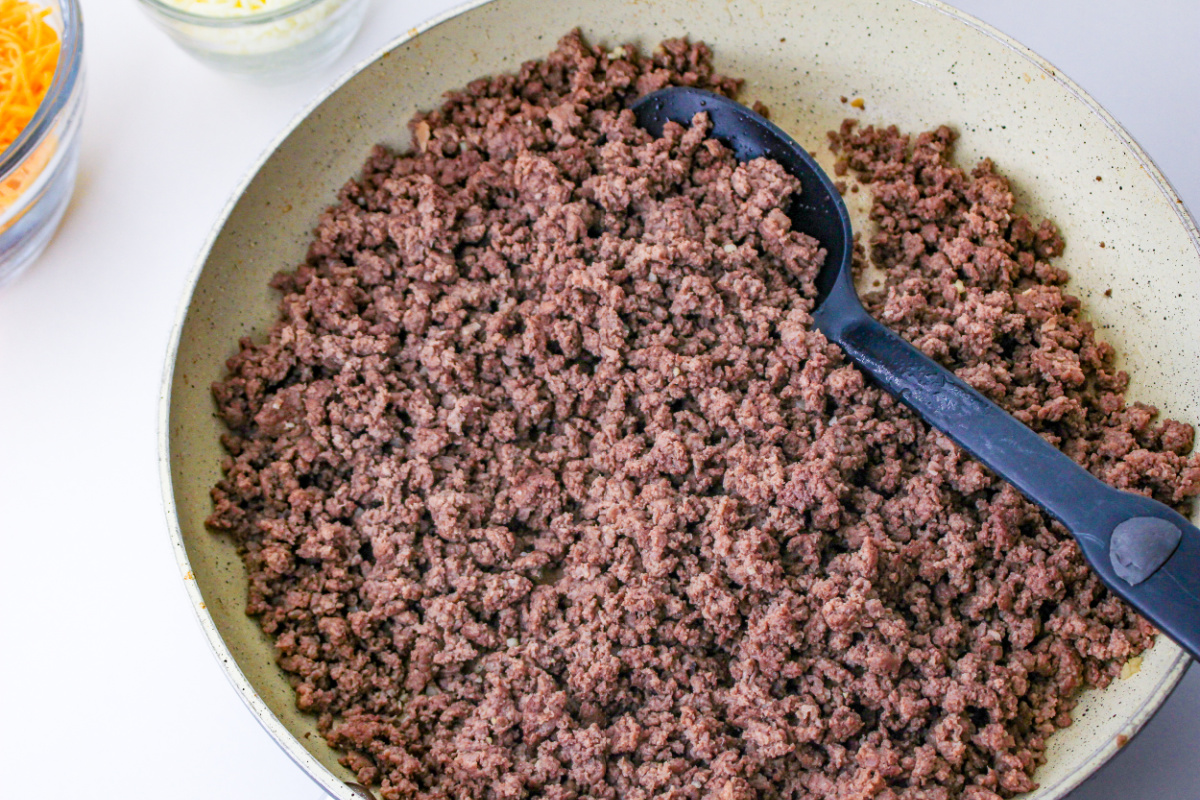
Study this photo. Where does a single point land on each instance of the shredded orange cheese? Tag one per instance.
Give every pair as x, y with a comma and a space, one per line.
29, 50
13, 186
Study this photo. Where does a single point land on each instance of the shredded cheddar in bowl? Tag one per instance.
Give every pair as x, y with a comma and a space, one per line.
29, 51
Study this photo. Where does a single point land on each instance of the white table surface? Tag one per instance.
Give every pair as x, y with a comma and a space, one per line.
107, 687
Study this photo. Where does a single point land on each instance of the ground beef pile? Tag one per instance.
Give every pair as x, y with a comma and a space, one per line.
547, 488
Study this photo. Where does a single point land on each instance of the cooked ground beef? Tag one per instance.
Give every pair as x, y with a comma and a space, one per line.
546, 486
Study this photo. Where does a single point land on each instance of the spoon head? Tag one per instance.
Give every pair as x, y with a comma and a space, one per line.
818, 211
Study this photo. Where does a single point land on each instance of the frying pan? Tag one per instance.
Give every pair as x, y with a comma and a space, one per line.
1132, 249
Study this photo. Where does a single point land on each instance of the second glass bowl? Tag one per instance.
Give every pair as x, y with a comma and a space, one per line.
277, 44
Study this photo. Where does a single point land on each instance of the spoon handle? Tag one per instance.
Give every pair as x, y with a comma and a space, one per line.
1146, 552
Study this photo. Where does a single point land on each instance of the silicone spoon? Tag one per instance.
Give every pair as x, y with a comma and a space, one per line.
1144, 551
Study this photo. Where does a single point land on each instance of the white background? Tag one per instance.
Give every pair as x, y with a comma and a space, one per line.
107, 688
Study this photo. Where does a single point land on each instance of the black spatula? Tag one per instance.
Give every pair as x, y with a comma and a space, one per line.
1144, 551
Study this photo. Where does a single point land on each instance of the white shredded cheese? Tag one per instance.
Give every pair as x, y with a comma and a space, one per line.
249, 38
229, 8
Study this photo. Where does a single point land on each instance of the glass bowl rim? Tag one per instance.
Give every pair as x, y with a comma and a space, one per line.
245, 20
58, 96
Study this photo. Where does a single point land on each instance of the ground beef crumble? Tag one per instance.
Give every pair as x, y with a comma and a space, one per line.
547, 488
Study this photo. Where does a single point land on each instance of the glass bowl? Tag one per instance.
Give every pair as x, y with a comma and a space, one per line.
276, 44
45, 156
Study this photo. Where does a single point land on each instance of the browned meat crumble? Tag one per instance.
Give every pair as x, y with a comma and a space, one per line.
547, 488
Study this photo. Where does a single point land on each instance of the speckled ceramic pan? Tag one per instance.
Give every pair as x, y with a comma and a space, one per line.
917, 64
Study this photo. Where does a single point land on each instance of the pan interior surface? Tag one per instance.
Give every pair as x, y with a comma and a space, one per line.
915, 64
